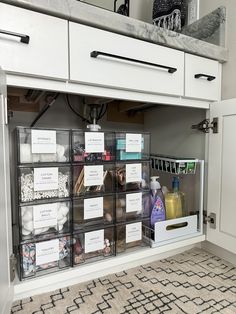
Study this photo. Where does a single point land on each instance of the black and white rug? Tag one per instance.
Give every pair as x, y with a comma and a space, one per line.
193, 282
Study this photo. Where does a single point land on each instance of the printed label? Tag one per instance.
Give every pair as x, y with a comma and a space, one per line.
93, 175
133, 173
47, 252
94, 241
44, 215
133, 143
158, 211
93, 207
43, 142
45, 179
133, 232
94, 142
133, 202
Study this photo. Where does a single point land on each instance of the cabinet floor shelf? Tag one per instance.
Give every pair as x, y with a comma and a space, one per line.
90, 271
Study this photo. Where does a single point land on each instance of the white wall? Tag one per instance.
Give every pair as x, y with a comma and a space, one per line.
228, 81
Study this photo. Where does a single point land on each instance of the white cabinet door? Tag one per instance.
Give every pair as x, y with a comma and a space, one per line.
6, 289
107, 59
202, 78
46, 53
222, 176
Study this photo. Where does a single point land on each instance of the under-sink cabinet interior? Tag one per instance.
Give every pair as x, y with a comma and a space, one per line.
66, 224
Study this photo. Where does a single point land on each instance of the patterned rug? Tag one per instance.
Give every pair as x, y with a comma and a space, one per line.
193, 282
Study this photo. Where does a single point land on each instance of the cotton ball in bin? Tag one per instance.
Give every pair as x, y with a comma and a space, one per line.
25, 232
25, 153
27, 215
29, 226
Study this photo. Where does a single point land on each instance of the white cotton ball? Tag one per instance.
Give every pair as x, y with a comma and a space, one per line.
62, 221
25, 232
64, 210
28, 226
36, 157
47, 157
28, 215
60, 153
60, 215
23, 210
38, 231
25, 153
59, 227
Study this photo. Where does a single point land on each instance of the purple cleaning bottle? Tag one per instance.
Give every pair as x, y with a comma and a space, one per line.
158, 212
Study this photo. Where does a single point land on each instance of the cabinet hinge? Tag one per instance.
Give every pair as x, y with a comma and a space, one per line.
211, 219
13, 262
205, 125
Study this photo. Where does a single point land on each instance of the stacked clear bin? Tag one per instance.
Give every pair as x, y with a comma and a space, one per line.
44, 200
93, 158
184, 207
132, 177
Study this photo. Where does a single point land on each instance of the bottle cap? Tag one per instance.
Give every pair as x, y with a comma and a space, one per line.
154, 184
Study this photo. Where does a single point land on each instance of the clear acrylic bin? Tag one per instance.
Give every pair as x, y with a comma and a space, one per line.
132, 146
98, 210
38, 145
39, 183
43, 257
44, 219
130, 236
132, 206
91, 180
93, 245
92, 147
132, 176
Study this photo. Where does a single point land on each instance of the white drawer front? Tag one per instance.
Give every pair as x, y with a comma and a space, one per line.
174, 228
46, 54
119, 71
202, 78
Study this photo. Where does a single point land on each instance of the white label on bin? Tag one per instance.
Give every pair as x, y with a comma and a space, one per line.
93, 175
47, 252
133, 232
45, 215
93, 207
133, 202
133, 173
133, 143
94, 241
94, 142
43, 142
45, 179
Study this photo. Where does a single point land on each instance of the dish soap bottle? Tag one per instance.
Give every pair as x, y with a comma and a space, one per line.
175, 201
158, 212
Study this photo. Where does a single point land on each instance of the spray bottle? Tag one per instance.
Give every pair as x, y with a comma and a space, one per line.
158, 212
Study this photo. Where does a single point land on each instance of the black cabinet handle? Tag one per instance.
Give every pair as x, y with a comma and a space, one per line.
209, 77
23, 38
95, 54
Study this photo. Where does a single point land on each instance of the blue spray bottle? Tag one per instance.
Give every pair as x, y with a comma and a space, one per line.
158, 212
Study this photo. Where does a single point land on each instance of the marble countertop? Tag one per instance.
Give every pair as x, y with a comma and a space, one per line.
89, 15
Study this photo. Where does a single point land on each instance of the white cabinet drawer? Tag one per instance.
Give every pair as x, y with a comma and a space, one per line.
107, 59
46, 54
202, 78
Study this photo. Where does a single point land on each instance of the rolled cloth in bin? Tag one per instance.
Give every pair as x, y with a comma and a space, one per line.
169, 14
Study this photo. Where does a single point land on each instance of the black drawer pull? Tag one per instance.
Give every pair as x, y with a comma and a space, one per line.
23, 38
95, 54
209, 77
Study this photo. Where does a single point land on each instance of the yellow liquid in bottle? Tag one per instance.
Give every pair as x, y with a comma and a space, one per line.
173, 205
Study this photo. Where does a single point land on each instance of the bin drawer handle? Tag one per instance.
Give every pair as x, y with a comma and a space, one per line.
209, 77
95, 54
23, 38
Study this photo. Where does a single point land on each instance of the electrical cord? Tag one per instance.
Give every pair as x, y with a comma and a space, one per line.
74, 111
101, 115
44, 109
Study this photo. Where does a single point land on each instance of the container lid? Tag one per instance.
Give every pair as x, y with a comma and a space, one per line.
154, 184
